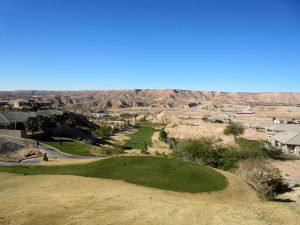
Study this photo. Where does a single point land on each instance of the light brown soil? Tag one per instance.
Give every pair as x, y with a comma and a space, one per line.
53, 199
290, 169
158, 145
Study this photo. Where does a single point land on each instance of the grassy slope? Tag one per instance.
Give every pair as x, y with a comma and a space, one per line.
70, 146
156, 172
143, 134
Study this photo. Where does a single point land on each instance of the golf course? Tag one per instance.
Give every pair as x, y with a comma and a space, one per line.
155, 172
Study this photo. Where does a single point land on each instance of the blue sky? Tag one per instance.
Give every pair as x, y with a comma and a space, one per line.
232, 45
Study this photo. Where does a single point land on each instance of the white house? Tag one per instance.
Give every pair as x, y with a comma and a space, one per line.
288, 141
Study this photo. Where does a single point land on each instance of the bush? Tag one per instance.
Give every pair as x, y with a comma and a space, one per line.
259, 147
163, 135
144, 151
115, 150
104, 132
202, 151
269, 183
267, 180
232, 157
88, 141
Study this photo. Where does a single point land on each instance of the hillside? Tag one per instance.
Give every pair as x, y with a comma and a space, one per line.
167, 98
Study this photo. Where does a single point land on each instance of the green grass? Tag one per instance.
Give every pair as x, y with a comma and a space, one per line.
156, 172
71, 146
143, 134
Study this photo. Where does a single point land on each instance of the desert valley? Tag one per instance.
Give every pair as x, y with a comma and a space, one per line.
91, 127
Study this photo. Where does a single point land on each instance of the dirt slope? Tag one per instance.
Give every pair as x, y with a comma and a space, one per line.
48, 199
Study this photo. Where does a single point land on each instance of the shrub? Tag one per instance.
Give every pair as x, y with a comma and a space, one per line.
231, 158
267, 180
259, 147
144, 151
115, 150
269, 183
202, 151
163, 135
88, 141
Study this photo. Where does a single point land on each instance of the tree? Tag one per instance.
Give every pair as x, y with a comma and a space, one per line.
234, 129
32, 124
43, 122
163, 135
104, 131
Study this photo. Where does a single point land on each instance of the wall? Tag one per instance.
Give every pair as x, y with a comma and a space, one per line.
14, 133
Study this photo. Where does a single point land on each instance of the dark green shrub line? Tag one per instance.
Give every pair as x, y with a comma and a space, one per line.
207, 152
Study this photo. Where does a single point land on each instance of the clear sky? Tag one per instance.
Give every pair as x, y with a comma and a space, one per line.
226, 45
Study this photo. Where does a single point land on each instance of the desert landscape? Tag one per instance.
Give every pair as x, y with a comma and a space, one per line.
84, 200
149, 112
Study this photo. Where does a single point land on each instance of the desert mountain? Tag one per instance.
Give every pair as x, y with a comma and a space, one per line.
150, 98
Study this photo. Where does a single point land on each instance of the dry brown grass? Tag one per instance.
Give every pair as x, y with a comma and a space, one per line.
49, 199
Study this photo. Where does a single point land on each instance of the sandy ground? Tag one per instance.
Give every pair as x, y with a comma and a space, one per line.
290, 169
53, 199
158, 145
291, 172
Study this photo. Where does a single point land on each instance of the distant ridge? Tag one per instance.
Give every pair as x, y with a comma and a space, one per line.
151, 97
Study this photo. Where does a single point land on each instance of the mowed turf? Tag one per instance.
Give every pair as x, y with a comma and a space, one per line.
143, 134
70, 146
156, 172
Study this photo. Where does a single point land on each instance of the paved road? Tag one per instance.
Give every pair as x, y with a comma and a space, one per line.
51, 152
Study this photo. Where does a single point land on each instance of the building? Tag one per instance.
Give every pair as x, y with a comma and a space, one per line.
30, 103
16, 120
279, 128
219, 119
289, 142
283, 121
261, 127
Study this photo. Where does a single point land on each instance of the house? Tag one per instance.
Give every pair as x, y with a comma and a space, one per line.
278, 128
219, 119
30, 103
16, 119
261, 127
288, 141
284, 121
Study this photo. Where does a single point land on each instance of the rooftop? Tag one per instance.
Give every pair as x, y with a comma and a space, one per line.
284, 127
289, 138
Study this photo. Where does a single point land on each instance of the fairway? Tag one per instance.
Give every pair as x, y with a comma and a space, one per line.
143, 134
155, 172
70, 146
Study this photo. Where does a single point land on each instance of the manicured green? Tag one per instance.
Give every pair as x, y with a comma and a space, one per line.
143, 134
156, 172
70, 146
